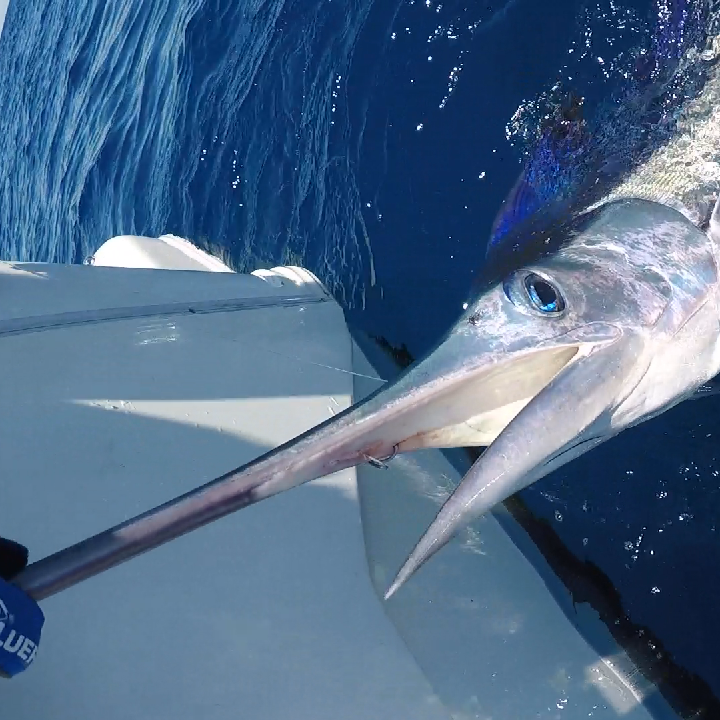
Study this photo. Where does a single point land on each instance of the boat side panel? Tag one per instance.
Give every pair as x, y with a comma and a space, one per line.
267, 614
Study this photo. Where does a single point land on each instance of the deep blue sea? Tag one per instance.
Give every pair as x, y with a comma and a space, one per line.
371, 141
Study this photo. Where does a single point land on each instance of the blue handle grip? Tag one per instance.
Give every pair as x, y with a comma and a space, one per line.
21, 622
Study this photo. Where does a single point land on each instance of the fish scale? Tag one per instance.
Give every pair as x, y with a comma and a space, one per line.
684, 173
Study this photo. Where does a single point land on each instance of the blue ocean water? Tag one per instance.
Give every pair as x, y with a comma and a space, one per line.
373, 143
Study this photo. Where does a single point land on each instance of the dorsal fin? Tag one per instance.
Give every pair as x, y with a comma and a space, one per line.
573, 164
549, 174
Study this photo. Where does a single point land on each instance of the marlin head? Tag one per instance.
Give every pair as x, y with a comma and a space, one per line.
606, 321
616, 325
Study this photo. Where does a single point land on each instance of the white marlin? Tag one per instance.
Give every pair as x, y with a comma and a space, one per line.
598, 309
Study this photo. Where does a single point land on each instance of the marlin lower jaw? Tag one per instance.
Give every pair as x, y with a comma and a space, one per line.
562, 420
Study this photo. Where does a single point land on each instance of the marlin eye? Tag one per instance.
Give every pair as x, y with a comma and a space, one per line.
543, 294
